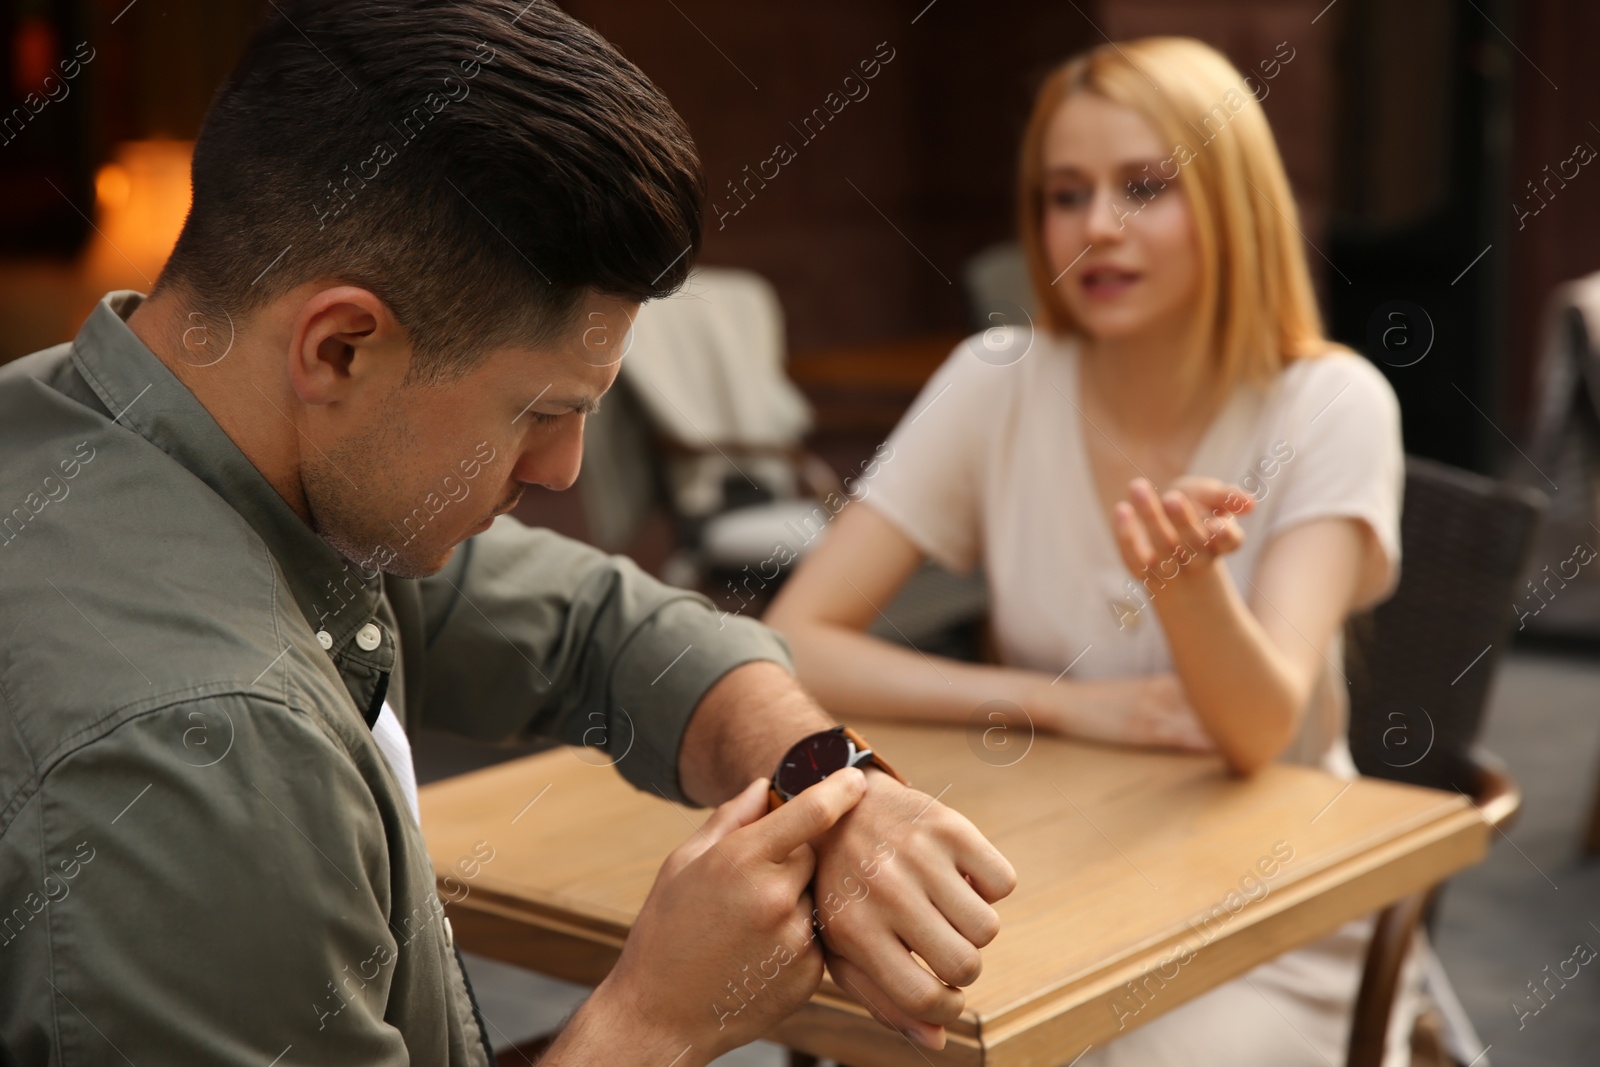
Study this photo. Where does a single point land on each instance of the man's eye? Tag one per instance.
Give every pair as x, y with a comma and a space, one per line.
541, 417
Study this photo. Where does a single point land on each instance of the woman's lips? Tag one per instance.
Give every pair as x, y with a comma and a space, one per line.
1103, 283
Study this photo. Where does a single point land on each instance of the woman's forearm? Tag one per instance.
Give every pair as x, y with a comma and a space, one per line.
851, 674
1244, 690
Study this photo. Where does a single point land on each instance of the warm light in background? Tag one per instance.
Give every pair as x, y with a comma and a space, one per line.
111, 188
141, 200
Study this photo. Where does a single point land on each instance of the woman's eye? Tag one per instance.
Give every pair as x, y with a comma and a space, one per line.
542, 418
1145, 190
1068, 197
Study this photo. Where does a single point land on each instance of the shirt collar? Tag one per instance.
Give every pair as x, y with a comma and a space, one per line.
145, 397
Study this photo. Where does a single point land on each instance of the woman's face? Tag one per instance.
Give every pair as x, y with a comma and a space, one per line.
1118, 231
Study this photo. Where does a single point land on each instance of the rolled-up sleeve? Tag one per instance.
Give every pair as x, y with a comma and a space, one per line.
528, 633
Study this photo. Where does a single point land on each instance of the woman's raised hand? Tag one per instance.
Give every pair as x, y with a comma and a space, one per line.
1192, 523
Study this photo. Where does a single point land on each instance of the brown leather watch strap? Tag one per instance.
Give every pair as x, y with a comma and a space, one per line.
877, 761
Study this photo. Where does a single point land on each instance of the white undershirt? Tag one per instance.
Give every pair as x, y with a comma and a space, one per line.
396, 748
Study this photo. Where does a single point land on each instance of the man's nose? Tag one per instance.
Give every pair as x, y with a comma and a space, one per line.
552, 456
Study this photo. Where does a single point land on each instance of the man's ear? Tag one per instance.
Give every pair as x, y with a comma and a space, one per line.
343, 338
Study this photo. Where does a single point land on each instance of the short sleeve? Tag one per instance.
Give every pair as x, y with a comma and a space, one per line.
929, 477
1342, 456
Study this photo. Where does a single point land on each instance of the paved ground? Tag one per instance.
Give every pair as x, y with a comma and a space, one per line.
1527, 907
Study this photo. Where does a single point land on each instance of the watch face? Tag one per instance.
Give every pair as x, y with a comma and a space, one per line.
812, 760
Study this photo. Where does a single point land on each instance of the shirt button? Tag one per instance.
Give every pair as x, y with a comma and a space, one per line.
369, 637
449, 935
325, 639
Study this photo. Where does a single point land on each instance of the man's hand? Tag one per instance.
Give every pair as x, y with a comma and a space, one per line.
723, 949
902, 873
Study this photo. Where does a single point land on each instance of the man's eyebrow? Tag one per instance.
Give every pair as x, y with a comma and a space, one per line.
583, 405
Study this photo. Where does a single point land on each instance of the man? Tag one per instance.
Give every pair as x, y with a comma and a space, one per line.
251, 544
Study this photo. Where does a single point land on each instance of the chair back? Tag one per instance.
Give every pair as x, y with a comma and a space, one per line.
1421, 663
703, 418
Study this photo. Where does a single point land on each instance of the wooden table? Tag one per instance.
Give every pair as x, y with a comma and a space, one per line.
1134, 872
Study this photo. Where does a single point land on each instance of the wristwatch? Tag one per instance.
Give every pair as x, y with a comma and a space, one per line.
815, 757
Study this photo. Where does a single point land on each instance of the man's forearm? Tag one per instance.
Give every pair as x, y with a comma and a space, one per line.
742, 727
603, 1031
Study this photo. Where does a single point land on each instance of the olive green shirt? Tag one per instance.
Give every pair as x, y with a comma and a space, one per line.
204, 856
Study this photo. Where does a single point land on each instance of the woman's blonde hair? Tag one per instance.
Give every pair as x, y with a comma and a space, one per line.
1256, 308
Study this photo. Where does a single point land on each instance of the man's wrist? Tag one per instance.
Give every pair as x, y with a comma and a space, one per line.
741, 729
613, 1027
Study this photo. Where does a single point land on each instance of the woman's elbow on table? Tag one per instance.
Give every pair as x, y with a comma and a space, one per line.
1267, 732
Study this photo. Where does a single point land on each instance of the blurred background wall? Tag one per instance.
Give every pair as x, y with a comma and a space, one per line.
1420, 136
1411, 132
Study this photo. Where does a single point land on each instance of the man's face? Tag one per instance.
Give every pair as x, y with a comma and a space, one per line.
408, 471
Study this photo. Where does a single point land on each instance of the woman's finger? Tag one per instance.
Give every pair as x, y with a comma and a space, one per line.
1228, 538
1185, 522
1132, 540
1148, 507
1209, 494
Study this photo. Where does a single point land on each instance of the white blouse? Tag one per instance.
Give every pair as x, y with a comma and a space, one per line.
990, 465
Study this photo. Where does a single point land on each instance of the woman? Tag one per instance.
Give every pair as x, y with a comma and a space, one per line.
1178, 489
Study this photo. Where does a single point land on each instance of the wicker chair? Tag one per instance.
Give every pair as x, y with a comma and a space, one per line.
1420, 666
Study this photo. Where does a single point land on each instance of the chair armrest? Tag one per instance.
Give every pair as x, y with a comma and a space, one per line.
1498, 799
1497, 795
1380, 979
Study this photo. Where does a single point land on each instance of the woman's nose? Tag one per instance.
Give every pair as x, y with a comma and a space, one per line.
1106, 220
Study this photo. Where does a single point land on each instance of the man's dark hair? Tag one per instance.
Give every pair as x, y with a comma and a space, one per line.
477, 164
